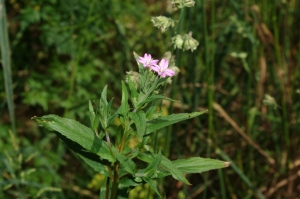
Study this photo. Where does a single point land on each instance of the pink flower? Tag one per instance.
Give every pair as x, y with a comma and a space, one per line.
147, 61
162, 69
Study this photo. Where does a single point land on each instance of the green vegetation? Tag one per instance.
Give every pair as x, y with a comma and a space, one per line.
245, 71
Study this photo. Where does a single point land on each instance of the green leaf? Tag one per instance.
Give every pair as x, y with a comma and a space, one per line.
94, 119
103, 108
112, 117
124, 109
144, 96
166, 165
156, 124
198, 164
126, 182
152, 185
139, 119
133, 91
152, 167
97, 166
154, 97
91, 113
126, 162
91, 159
78, 133
141, 67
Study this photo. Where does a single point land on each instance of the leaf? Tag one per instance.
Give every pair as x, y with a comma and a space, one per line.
141, 67
103, 108
139, 118
148, 91
97, 166
126, 162
78, 133
152, 167
152, 185
126, 182
92, 112
133, 91
198, 164
166, 165
94, 119
112, 117
156, 124
124, 109
91, 159
154, 97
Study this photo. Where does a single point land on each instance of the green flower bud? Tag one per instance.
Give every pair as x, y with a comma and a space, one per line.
177, 41
163, 22
189, 42
270, 101
182, 3
186, 41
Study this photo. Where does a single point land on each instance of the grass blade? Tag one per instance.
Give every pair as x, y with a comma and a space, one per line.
6, 63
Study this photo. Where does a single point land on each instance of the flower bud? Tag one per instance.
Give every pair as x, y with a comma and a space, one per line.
189, 42
177, 41
163, 22
186, 41
182, 3
134, 77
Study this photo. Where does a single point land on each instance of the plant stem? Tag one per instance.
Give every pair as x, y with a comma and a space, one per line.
114, 189
6, 62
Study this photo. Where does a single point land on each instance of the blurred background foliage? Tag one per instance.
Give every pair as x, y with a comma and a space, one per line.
245, 71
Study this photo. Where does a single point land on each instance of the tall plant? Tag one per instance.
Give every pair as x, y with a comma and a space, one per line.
139, 117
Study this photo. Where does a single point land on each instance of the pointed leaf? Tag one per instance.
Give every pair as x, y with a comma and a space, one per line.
103, 108
91, 159
152, 185
164, 121
198, 164
166, 165
78, 133
139, 119
133, 91
97, 166
141, 67
124, 103
152, 167
125, 162
154, 97
112, 117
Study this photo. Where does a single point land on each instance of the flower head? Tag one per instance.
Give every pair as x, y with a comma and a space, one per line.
182, 3
163, 22
147, 61
178, 41
190, 43
187, 42
162, 69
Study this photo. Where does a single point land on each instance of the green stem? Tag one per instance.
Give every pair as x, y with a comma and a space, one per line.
210, 91
107, 189
6, 63
115, 184
281, 82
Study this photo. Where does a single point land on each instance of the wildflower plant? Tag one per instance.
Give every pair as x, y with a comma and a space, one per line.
118, 161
